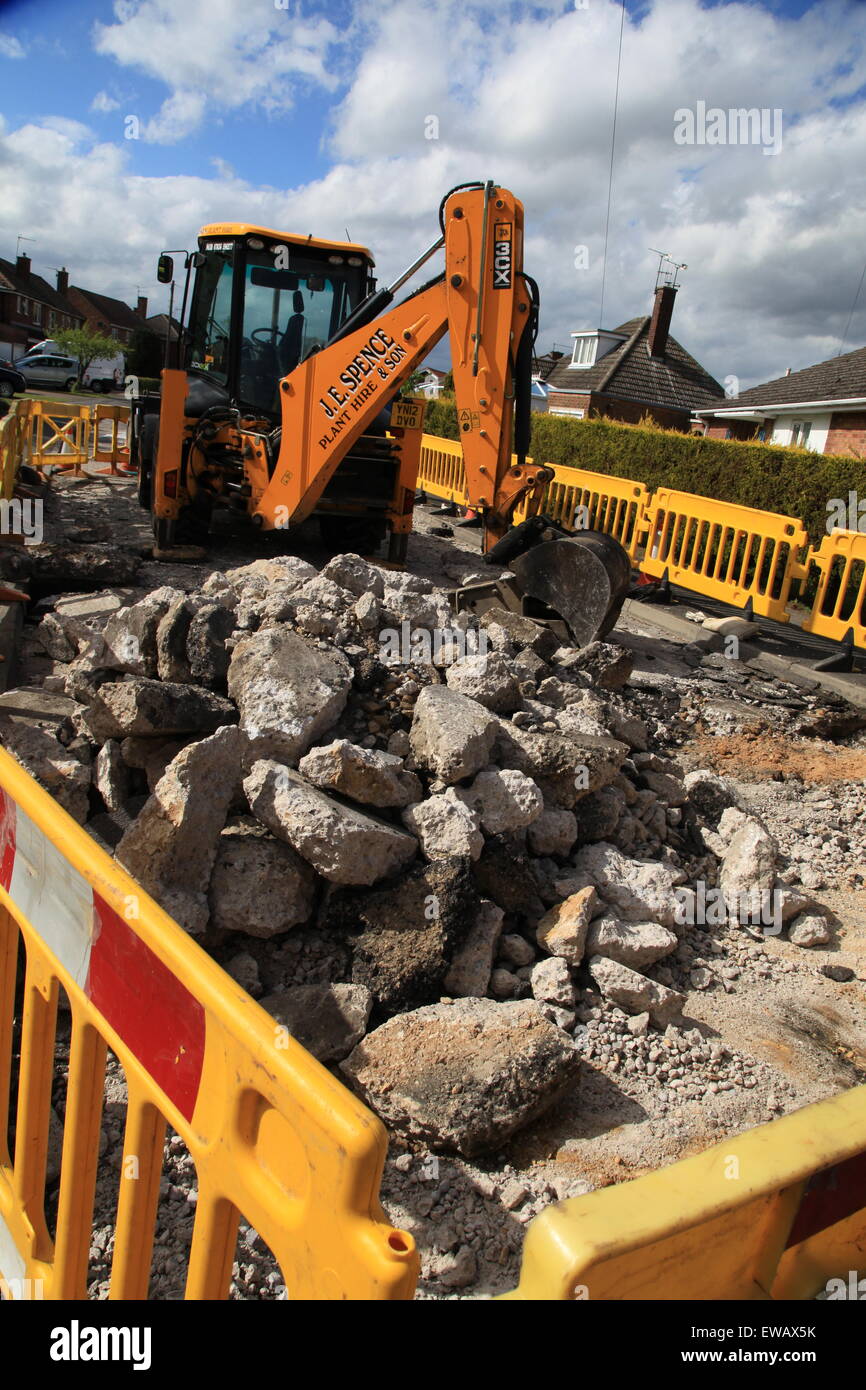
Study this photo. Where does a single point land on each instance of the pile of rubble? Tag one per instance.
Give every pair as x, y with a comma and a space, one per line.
443, 852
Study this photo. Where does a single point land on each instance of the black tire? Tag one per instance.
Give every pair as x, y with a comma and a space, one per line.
143, 456
70, 383
6, 390
163, 532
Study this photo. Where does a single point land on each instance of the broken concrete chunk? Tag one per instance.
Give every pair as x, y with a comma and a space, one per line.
171, 847
50, 763
445, 826
288, 691
639, 890
668, 789
635, 993
343, 845
607, 666
551, 982
111, 775
208, 656
363, 774
749, 864
451, 735
264, 577
505, 800
55, 640
709, 793
488, 679
522, 632
809, 930
146, 707
635, 944
563, 930
355, 574
129, 636
554, 832
328, 1020
566, 768
259, 885
469, 975
464, 1076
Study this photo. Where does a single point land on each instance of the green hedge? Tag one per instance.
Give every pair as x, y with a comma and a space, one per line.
771, 477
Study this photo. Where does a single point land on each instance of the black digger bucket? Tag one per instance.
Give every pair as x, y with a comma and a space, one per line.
584, 579
573, 582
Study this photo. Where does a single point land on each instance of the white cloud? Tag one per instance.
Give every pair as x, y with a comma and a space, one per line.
774, 245
179, 115
232, 55
10, 47
103, 103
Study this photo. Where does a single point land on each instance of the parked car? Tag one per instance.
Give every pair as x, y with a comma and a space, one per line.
48, 369
11, 381
41, 368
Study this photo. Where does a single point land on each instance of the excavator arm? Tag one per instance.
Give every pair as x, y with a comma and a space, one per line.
488, 306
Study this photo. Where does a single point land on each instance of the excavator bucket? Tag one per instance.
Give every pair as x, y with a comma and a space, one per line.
573, 583
584, 578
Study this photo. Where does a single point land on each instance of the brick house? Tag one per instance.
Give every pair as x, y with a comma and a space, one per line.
30, 309
634, 370
821, 408
106, 315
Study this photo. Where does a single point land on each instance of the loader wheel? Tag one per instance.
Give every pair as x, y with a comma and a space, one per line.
344, 535
146, 444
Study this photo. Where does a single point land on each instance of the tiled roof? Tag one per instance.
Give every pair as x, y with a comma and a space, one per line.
838, 379
34, 287
676, 380
114, 311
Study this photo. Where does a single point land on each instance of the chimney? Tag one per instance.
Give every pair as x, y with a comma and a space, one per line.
141, 307
62, 280
22, 265
663, 308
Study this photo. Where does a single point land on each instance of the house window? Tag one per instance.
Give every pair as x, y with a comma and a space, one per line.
584, 351
37, 312
800, 434
23, 305
52, 319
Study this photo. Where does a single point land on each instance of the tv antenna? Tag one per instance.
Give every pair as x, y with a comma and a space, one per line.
667, 274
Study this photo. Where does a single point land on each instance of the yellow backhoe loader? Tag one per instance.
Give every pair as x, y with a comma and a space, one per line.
286, 403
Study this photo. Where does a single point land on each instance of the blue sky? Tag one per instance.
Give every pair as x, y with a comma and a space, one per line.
315, 117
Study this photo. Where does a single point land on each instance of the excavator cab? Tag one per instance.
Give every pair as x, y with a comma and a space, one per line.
262, 302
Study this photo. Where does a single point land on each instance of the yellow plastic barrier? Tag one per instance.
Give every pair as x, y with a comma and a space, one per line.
116, 451
441, 472
61, 436
723, 550
616, 506
840, 601
14, 446
772, 1213
274, 1136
